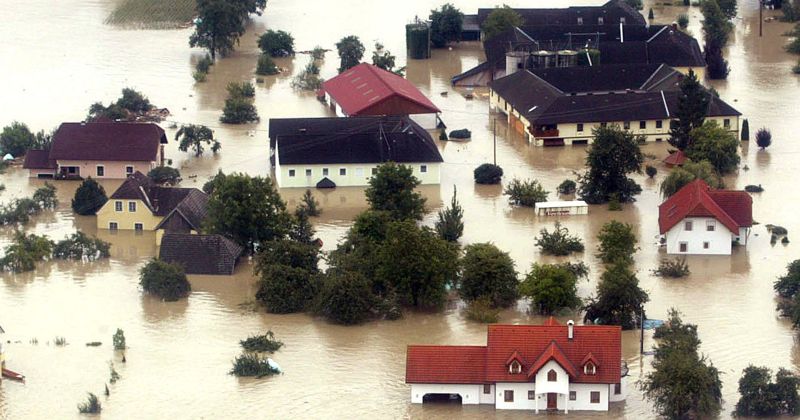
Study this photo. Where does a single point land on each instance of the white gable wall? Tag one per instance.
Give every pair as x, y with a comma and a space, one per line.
561, 385
719, 240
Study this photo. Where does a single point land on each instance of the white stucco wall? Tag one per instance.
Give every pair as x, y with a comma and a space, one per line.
623, 391
521, 401
470, 394
561, 385
355, 174
719, 240
583, 397
488, 398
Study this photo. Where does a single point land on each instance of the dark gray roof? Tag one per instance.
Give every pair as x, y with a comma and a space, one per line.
109, 141
39, 159
326, 183
193, 209
200, 254
528, 94
351, 140
160, 200
617, 77
611, 13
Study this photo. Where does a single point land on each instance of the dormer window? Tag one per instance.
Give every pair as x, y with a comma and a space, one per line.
589, 368
552, 376
600, 20
515, 367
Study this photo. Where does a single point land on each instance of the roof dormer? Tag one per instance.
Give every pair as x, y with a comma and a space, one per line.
590, 365
514, 363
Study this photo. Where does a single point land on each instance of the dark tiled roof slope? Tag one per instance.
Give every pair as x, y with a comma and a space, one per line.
193, 209
38, 159
200, 254
160, 200
108, 141
600, 78
528, 94
611, 13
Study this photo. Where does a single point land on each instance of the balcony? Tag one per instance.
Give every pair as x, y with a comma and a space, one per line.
539, 133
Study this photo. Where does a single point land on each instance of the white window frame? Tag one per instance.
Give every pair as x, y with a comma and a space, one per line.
131, 207
423, 169
118, 206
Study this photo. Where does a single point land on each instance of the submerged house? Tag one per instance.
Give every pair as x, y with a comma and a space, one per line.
330, 152
99, 150
561, 106
525, 367
200, 254
701, 220
366, 90
140, 204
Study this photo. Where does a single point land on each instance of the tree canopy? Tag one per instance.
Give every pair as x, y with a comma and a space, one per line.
450, 222
488, 173
130, 104
525, 193
715, 144
550, 288
165, 280
351, 51
619, 298
89, 197
716, 29
617, 243
500, 20
391, 189
194, 137
16, 139
487, 272
346, 297
559, 241
761, 397
446, 24
220, 23
25, 251
276, 43
614, 154
165, 175
691, 112
690, 171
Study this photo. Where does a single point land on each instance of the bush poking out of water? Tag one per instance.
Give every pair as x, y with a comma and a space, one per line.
199, 77
91, 406
243, 89
119, 340
683, 20
674, 268
763, 138
461, 134
26, 250
650, 170
525, 193
204, 64
89, 197
777, 230
265, 66
567, 187
79, 246
614, 204
558, 242
250, 364
261, 343
165, 175
113, 375
481, 310
60, 341
308, 79
318, 53
754, 188
488, 174
45, 196
165, 280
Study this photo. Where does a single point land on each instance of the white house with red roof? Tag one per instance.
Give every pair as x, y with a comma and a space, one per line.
369, 90
525, 367
701, 220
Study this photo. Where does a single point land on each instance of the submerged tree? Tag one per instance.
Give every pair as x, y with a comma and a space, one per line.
763, 138
715, 144
487, 272
488, 173
165, 175
89, 197
446, 24
525, 193
276, 43
716, 29
691, 112
690, 171
559, 241
614, 154
761, 397
25, 251
391, 189
194, 137
500, 20
619, 298
450, 224
16, 139
220, 23
165, 280
550, 288
617, 243
351, 50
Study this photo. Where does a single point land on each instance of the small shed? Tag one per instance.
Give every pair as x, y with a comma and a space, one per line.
676, 158
561, 208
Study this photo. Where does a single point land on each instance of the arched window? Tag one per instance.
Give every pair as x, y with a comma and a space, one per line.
589, 368
514, 367
552, 376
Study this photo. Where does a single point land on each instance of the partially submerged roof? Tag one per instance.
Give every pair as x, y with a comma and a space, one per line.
200, 254
369, 90
192, 209
39, 159
107, 141
734, 209
676, 158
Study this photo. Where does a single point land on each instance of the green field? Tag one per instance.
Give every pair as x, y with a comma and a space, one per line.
153, 14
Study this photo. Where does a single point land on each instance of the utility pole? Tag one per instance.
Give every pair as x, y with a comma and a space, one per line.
494, 139
760, 17
641, 336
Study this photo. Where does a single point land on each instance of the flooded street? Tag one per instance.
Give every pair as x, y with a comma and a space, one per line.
59, 57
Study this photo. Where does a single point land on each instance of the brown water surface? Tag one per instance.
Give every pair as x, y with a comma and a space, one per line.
58, 57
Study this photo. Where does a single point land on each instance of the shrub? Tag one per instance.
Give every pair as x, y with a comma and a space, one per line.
461, 134
119, 340
239, 110
45, 196
89, 197
165, 280
482, 310
308, 79
450, 224
525, 193
79, 245
165, 175
674, 268
265, 66
745, 130
567, 187
199, 77
284, 289
777, 230
18, 211
754, 188
488, 173
763, 138
558, 242
204, 64
265, 343
241, 90
113, 375
761, 397
650, 170
91, 406
25, 251
250, 364
488, 272
276, 43
318, 53
617, 243
683, 20
346, 297
613, 203
310, 204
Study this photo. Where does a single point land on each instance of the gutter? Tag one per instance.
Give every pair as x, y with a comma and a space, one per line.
664, 100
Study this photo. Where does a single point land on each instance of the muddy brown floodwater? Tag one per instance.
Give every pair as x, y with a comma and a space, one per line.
59, 57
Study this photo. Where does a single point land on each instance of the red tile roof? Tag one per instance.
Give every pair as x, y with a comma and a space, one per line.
109, 141
734, 209
532, 345
369, 90
676, 158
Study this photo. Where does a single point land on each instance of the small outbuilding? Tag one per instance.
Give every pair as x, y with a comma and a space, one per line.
201, 254
561, 208
676, 158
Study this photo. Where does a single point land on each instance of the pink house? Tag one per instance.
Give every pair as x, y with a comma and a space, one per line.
99, 150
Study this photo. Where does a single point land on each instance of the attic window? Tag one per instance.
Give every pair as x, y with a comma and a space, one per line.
600, 20
552, 376
515, 367
589, 368
580, 20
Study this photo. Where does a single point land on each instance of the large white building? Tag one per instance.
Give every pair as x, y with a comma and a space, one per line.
699, 220
525, 367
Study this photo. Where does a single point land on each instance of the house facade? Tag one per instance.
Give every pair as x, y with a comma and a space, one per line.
549, 367
699, 220
104, 150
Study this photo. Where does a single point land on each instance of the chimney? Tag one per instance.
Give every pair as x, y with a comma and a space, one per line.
570, 328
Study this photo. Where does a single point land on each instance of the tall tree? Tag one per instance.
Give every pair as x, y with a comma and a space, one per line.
619, 298
691, 112
89, 197
220, 23
16, 139
194, 136
761, 397
248, 210
392, 189
614, 154
617, 243
382, 58
488, 273
715, 144
351, 51
716, 29
550, 288
450, 224
446, 24
500, 20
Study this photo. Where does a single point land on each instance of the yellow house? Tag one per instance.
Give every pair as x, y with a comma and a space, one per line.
139, 204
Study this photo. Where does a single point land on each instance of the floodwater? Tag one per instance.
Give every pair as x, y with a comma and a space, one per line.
59, 57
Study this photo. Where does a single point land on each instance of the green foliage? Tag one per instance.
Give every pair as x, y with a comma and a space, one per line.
134, 101
248, 210
728, 8
794, 46
791, 10
45, 196
221, 22
716, 30
500, 20
446, 24
682, 384
308, 79
683, 20
285, 289
636, 4
687, 173
251, 364
318, 53
391, 189
309, 204
382, 58
745, 130
112, 372
165, 175
617, 243
450, 222
208, 186
18, 211
559, 241
487, 272
763, 138
204, 64
754, 188
265, 343
691, 112
715, 144
482, 310
761, 397
301, 229
276, 43
674, 268
152, 14
488, 173
199, 77
567, 187
788, 285
265, 66
25, 251
79, 246
239, 109
289, 253
91, 406
619, 298
130, 103
165, 280
346, 297
89, 197
241, 90
16, 139
550, 287
650, 14
119, 340
195, 136
525, 193
351, 50
650, 170
614, 154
